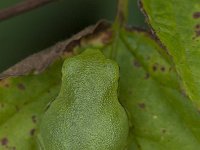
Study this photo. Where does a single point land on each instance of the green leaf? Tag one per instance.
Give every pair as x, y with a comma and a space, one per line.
161, 116
22, 101
177, 24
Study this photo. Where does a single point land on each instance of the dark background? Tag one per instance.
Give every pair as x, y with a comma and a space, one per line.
40, 28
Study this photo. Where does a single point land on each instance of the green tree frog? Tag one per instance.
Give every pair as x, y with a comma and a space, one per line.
86, 115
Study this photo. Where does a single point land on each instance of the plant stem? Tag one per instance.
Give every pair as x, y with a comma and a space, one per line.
22, 7
122, 12
120, 22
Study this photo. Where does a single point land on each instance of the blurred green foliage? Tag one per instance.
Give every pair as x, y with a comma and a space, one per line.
40, 28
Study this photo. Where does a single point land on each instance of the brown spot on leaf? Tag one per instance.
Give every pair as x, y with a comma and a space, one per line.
197, 26
5, 83
21, 86
163, 130
197, 33
4, 141
155, 67
136, 63
142, 105
32, 132
162, 69
196, 15
14, 148
34, 120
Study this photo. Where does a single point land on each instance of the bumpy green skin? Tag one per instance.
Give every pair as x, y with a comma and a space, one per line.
86, 115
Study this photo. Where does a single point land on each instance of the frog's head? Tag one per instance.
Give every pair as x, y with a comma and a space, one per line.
104, 73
